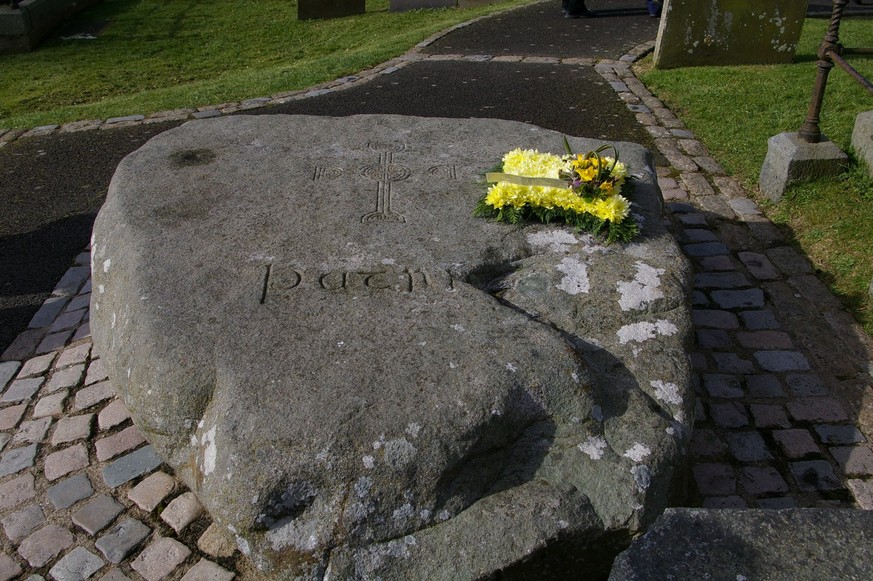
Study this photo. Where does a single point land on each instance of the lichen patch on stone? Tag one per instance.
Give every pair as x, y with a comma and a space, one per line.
646, 330
556, 240
210, 453
642, 290
666, 391
638, 452
575, 279
594, 447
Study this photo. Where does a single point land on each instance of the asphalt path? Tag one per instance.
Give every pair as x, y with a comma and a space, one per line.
51, 187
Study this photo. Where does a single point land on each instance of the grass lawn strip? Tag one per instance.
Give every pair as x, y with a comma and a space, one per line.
151, 55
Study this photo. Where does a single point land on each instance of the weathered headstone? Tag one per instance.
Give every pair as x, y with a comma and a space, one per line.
797, 544
862, 138
313, 9
403, 5
357, 377
728, 32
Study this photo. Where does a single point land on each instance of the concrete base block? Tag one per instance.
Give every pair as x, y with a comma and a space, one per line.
790, 160
862, 138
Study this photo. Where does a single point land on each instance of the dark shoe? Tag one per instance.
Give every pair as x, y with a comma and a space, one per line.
654, 8
581, 14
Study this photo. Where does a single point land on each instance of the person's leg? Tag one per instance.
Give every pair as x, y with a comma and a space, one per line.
654, 7
577, 9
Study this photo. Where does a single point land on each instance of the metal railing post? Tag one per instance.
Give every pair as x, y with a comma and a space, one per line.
810, 131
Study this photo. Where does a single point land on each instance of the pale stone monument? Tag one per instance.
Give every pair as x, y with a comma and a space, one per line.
862, 138
728, 32
360, 380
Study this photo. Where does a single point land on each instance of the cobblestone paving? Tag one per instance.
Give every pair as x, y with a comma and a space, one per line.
782, 375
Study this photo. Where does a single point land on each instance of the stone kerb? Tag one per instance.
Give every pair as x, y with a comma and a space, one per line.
355, 375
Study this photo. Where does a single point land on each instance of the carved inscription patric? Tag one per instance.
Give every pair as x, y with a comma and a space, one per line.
385, 172
281, 282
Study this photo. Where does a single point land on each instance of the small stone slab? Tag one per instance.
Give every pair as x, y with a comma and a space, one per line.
216, 542
72, 428
112, 415
122, 539
78, 564
160, 559
63, 462
70, 491
37, 365
10, 416
425, 380
18, 459
9, 567
152, 490
751, 544
22, 389
207, 571
97, 514
7, 372
131, 466
182, 511
45, 544
51, 405
21, 523
32, 431
15, 491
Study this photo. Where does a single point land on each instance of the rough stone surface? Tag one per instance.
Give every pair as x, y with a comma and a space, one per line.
751, 544
479, 397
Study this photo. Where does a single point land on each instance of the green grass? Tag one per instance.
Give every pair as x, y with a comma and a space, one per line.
156, 55
735, 110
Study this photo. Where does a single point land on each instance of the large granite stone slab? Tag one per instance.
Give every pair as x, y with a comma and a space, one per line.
359, 379
799, 544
